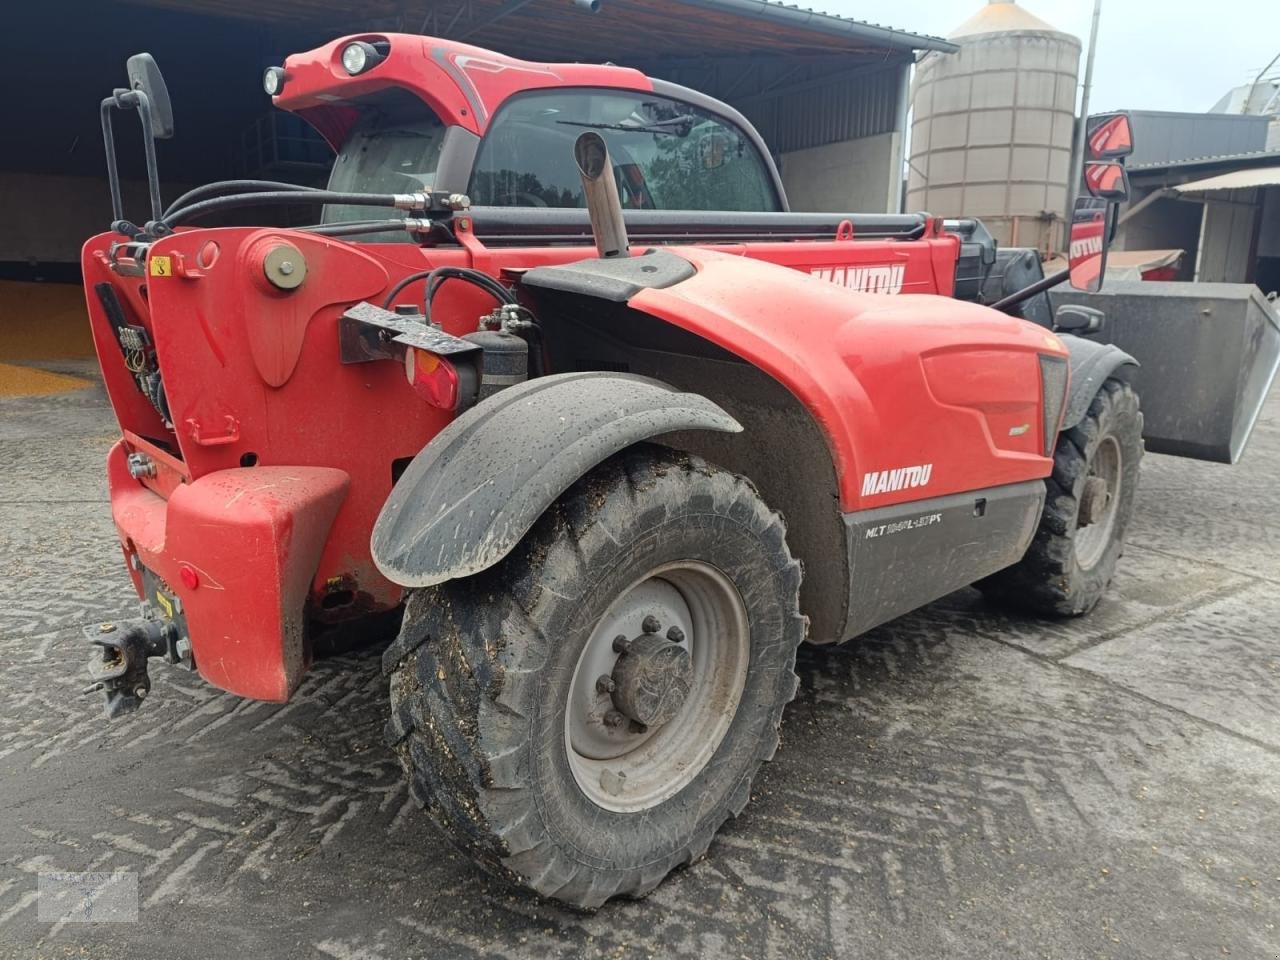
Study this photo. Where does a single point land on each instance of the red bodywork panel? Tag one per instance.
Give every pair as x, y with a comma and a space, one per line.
893, 382
464, 85
253, 372
238, 546
267, 486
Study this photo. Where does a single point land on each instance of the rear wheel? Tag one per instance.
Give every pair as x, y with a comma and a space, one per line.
1089, 501
584, 716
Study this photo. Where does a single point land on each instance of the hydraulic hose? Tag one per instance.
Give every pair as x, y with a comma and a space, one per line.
439, 275
466, 274
231, 187
282, 198
411, 278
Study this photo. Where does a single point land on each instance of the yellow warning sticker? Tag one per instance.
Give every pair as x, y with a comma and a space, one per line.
165, 604
161, 267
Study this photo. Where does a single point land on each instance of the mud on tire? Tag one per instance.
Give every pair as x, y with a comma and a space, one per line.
482, 670
1068, 567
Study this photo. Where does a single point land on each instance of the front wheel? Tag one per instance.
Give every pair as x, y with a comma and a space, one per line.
585, 715
1089, 500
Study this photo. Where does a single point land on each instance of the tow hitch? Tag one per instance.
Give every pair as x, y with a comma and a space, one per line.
119, 666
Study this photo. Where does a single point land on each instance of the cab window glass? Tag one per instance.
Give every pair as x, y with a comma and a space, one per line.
667, 155
393, 147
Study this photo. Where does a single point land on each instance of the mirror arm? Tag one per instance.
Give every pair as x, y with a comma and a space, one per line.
1029, 291
123, 100
113, 173
149, 144
139, 100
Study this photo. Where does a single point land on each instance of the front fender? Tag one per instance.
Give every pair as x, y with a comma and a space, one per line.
1091, 364
476, 489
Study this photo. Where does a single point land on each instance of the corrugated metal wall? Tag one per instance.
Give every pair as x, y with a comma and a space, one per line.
1161, 137
859, 106
796, 108
1226, 237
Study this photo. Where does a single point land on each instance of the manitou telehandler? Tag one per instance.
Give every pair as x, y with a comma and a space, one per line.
568, 467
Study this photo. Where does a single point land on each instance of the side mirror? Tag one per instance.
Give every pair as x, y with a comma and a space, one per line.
1109, 136
1077, 318
1087, 249
1107, 180
145, 76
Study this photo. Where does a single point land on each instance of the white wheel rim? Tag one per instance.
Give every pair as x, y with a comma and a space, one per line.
1092, 541
625, 769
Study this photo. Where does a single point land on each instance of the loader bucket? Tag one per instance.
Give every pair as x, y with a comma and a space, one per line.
1209, 353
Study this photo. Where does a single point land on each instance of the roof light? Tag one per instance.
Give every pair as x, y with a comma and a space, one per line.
360, 56
273, 80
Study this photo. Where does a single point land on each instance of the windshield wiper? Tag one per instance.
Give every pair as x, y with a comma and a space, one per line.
671, 127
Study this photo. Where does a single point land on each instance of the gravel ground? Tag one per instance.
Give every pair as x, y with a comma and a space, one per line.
959, 783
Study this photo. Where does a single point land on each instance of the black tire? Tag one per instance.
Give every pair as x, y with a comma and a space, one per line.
1057, 577
482, 670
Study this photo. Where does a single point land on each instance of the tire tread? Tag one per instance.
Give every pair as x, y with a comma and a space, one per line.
464, 731
1046, 581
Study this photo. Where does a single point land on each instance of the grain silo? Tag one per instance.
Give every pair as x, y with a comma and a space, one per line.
992, 126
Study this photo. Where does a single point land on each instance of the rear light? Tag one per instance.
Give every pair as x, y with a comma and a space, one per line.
433, 379
1053, 383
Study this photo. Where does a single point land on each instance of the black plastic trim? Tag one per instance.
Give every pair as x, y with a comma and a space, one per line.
909, 554
616, 280
1091, 364
475, 490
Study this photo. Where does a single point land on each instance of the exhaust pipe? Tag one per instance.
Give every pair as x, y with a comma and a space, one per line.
601, 191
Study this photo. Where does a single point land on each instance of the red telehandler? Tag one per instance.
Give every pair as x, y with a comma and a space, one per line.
565, 470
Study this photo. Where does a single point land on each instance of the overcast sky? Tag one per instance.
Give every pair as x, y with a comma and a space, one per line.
1159, 55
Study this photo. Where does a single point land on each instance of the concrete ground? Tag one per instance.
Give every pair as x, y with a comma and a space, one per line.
961, 783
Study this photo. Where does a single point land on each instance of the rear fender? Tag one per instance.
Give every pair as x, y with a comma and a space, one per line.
476, 489
1091, 364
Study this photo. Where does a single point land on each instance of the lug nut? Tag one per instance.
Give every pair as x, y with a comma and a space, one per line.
140, 692
620, 643
613, 719
650, 624
605, 684
675, 635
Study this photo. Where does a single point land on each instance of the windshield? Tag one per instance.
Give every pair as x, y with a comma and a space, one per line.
667, 155
393, 149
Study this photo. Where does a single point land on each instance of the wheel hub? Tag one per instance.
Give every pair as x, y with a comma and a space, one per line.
1099, 496
657, 686
1093, 500
651, 679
